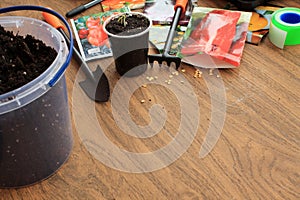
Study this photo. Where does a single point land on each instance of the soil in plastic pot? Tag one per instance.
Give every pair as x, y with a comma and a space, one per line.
36, 139
130, 53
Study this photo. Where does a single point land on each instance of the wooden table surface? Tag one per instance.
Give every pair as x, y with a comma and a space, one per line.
252, 112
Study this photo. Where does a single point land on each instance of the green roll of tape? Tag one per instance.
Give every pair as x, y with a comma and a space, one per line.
285, 27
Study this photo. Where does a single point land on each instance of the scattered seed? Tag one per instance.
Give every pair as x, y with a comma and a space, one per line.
197, 73
144, 86
143, 101
182, 70
211, 72
182, 82
170, 76
175, 73
218, 76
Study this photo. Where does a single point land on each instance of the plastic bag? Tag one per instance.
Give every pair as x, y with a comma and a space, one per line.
218, 33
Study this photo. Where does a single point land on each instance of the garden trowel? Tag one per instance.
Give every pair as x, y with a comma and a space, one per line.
96, 85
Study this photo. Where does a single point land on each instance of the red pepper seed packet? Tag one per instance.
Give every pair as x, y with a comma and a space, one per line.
215, 38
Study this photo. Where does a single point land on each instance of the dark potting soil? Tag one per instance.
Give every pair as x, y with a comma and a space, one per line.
23, 58
128, 24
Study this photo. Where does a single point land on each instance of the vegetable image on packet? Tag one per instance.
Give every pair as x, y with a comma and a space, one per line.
215, 38
91, 39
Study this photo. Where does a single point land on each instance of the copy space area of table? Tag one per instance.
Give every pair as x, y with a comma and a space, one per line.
252, 112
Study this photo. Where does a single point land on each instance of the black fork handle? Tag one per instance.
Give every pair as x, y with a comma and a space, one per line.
172, 31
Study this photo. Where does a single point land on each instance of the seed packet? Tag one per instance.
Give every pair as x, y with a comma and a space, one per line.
159, 33
162, 11
215, 38
92, 41
116, 4
260, 24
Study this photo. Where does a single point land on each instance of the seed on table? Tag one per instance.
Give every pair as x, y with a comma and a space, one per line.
175, 73
197, 73
144, 86
169, 81
150, 78
143, 101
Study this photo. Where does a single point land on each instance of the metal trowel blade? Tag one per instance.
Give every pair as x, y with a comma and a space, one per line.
97, 89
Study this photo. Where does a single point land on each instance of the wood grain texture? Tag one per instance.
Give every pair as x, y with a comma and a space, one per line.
256, 157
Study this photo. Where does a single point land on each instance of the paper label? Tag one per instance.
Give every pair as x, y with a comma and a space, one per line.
277, 36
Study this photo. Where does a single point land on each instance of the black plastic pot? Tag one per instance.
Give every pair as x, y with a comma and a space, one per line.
130, 52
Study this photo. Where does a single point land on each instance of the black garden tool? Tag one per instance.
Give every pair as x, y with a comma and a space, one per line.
96, 85
165, 56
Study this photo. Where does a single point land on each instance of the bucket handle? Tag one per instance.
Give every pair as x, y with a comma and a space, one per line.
40, 8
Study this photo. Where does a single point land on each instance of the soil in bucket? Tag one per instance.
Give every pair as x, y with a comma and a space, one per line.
129, 38
22, 59
35, 139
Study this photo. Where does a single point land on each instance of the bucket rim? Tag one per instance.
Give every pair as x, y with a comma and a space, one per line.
43, 76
